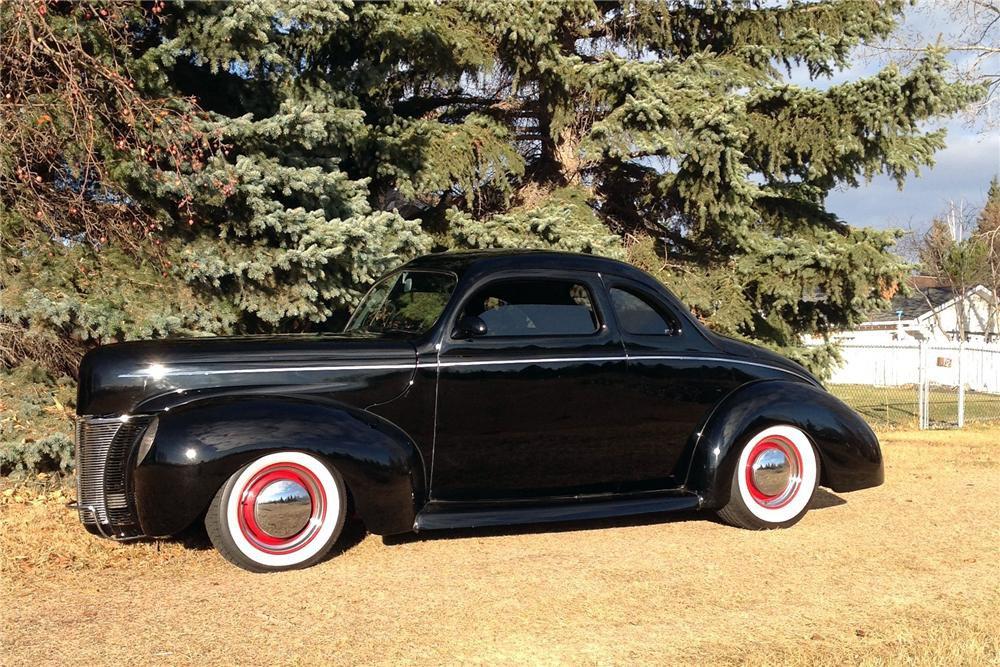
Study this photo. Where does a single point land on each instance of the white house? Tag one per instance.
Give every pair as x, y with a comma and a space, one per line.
935, 313
923, 331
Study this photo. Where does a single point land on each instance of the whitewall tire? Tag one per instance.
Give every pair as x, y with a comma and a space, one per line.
280, 512
775, 478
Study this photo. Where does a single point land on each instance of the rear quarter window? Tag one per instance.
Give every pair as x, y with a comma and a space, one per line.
636, 315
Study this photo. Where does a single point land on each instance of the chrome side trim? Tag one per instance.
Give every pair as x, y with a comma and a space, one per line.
448, 364
672, 357
539, 360
160, 373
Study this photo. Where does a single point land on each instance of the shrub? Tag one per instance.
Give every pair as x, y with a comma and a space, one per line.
36, 425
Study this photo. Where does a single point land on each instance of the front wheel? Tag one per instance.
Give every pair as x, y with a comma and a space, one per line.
774, 481
280, 512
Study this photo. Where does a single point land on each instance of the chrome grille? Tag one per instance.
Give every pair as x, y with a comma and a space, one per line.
103, 448
93, 439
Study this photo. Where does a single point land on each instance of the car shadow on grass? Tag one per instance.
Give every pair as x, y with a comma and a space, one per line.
822, 499
196, 538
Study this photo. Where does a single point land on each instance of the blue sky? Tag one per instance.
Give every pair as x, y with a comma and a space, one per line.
962, 171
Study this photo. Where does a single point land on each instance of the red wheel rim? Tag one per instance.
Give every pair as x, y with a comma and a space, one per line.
787, 449
246, 511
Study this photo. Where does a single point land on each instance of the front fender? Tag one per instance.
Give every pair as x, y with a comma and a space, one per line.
850, 457
198, 446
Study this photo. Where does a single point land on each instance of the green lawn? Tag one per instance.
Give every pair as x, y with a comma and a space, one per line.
897, 406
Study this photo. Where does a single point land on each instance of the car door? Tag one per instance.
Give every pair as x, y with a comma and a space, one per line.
528, 410
675, 377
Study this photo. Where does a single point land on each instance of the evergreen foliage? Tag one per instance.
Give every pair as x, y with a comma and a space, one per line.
965, 262
988, 234
295, 151
36, 427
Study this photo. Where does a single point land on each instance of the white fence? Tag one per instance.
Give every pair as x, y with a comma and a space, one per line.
899, 364
925, 384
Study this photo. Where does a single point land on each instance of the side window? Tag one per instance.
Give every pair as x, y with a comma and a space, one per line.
533, 308
637, 316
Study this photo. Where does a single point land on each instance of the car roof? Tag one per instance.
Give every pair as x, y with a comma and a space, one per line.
484, 261
473, 264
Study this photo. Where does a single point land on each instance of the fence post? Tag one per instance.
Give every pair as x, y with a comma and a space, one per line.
922, 389
920, 384
961, 384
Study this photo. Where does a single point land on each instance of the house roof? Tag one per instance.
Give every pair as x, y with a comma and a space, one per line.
913, 306
923, 282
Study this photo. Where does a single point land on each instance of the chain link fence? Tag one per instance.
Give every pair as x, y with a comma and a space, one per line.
915, 384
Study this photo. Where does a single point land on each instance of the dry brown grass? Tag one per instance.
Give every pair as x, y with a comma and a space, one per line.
903, 574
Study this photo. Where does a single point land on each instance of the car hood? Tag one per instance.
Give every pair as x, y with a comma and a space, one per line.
152, 374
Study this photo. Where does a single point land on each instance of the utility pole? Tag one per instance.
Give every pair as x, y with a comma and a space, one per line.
951, 220
956, 219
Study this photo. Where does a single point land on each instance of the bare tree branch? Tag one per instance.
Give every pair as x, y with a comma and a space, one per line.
972, 40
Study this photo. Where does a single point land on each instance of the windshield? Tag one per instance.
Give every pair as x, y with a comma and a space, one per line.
407, 302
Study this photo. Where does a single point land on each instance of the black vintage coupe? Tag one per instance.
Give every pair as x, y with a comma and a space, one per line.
469, 389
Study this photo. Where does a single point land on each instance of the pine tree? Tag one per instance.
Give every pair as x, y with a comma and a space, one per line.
988, 234
673, 121
294, 239
354, 136
83, 256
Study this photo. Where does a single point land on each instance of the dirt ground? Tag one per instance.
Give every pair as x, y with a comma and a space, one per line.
903, 574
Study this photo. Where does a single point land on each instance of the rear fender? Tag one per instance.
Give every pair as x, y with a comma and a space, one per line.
198, 446
850, 457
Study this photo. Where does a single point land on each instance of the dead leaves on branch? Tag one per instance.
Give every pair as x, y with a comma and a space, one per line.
76, 129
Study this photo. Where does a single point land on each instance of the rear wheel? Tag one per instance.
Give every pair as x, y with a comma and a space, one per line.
280, 512
774, 481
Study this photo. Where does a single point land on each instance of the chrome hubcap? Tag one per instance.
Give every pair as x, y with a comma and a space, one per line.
774, 472
771, 472
282, 508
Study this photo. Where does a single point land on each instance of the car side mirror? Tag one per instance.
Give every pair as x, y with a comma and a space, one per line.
470, 326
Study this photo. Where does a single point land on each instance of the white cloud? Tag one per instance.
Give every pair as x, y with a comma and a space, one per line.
962, 171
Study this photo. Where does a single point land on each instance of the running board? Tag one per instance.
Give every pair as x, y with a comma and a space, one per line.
444, 515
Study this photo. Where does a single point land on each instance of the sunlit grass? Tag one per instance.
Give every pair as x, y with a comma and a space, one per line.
897, 406
903, 574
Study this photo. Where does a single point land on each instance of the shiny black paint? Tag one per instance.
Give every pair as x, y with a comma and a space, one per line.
199, 445
438, 515
508, 430
112, 379
849, 453
536, 428
673, 381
